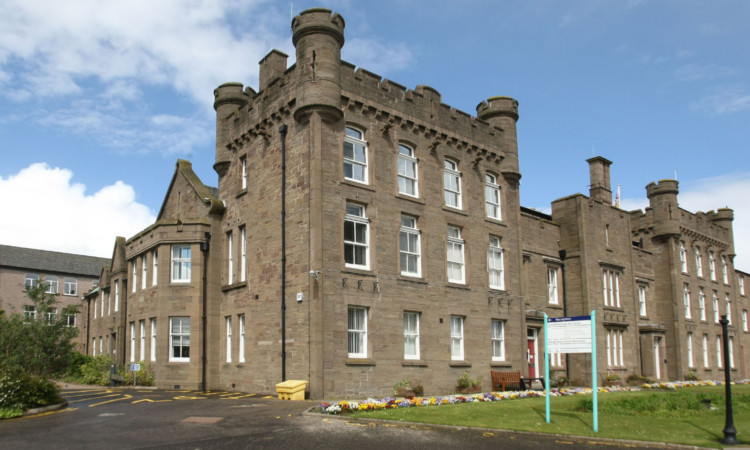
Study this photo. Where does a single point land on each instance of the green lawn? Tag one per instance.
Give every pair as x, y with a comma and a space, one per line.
678, 417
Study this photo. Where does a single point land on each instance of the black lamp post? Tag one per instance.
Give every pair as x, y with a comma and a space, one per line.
730, 433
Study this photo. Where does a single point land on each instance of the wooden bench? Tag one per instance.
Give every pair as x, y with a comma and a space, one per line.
503, 380
116, 378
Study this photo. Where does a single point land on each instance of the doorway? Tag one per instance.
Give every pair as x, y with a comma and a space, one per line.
531, 351
657, 358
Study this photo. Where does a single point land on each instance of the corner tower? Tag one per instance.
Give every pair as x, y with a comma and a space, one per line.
662, 199
502, 112
318, 36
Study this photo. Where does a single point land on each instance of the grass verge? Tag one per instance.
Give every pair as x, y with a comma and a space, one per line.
679, 417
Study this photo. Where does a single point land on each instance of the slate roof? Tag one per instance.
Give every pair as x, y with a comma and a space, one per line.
51, 262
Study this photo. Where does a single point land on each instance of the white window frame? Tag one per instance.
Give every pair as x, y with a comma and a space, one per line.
95, 304
144, 269
705, 351
496, 264
719, 361
357, 332
690, 349
93, 346
712, 266
153, 339
728, 308
143, 340
154, 267
715, 304
52, 283
101, 345
241, 346
243, 168
457, 338
354, 139
683, 257
176, 338
117, 296
135, 274
132, 341
31, 280
407, 181
741, 284
611, 281
230, 256
228, 321
731, 352
492, 199
497, 336
615, 354
243, 254
686, 301
698, 262
411, 335
410, 253
70, 286
642, 300
452, 184
29, 312
702, 303
356, 218
455, 261
553, 295
181, 263
744, 321
724, 269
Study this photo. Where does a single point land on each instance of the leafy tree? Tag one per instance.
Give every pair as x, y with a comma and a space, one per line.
38, 343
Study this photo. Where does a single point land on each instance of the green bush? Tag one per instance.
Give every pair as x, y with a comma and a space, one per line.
143, 378
19, 390
465, 381
95, 370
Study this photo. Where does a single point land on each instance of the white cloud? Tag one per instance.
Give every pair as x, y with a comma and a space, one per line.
52, 47
378, 57
695, 72
725, 100
48, 211
711, 194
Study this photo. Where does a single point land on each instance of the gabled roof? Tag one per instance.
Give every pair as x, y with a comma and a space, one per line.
207, 194
51, 262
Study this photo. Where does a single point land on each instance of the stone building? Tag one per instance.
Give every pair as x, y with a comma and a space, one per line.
68, 276
363, 232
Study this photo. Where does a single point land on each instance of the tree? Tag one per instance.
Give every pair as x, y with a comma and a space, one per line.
38, 342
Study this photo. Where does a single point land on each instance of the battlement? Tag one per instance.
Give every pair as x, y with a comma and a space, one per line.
318, 21
662, 187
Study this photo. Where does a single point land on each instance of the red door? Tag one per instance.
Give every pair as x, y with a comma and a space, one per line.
531, 353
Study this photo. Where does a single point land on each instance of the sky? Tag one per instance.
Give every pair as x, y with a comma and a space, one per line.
98, 103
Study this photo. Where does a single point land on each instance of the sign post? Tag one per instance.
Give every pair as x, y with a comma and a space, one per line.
571, 335
135, 368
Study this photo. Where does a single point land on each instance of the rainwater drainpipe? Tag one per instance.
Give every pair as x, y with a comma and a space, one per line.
282, 131
204, 249
563, 254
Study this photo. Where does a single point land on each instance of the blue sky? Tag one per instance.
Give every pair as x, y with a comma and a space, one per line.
97, 104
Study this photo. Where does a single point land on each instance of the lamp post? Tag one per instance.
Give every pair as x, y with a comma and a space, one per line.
730, 433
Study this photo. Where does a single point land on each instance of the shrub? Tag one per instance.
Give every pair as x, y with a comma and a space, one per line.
96, 370
465, 381
637, 380
691, 376
143, 378
21, 391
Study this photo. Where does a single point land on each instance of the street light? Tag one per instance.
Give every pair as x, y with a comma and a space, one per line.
730, 433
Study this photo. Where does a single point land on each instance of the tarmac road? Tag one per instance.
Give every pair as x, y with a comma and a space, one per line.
148, 418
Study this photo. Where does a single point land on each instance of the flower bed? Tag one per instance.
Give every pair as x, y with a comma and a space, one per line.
372, 404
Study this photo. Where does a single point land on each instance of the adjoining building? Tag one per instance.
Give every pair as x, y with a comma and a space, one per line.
363, 232
67, 276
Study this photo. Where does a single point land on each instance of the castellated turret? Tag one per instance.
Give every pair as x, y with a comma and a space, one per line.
227, 98
502, 112
662, 199
318, 36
